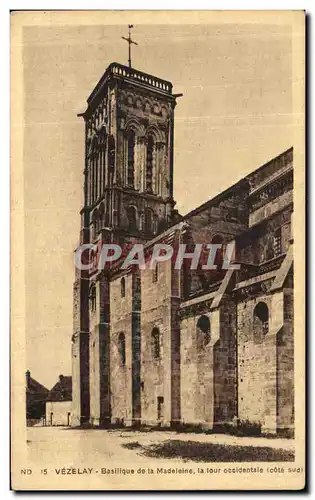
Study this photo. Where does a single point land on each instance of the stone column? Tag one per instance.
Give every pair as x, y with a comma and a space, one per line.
160, 174
124, 161
89, 181
99, 356
156, 168
140, 163
94, 177
119, 160
99, 172
91, 168
209, 373
104, 168
271, 375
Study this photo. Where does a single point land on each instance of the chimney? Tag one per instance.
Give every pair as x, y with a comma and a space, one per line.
28, 376
60, 378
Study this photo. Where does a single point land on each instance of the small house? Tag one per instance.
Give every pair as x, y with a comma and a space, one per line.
59, 402
36, 395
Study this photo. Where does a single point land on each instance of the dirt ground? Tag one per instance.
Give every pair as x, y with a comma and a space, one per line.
112, 447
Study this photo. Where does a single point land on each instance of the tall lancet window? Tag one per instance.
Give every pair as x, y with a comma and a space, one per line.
149, 169
94, 178
131, 159
95, 169
102, 161
103, 167
132, 218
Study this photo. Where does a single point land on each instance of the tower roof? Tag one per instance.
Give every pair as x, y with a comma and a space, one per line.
138, 78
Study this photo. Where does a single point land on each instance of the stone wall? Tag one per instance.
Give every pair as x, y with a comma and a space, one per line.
76, 382
58, 413
94, 360
99, 354
156, 370
224, 364
208, 368
285, 365
80, 351
218, 221
257, 245
258, 375
271, 208
121, 362
196, 375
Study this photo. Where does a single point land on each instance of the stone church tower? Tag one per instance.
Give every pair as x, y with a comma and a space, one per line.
128, 198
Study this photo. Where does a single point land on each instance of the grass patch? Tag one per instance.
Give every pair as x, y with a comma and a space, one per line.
242, 428
132, 446
209, 452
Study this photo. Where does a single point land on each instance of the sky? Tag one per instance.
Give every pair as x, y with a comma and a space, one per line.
235, 115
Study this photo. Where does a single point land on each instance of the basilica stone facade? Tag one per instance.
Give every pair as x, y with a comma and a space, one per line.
175, 347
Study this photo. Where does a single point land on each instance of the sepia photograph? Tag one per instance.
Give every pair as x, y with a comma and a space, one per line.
157, 250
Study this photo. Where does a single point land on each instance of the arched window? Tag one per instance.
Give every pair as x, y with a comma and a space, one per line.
122, 348
149, 169
260, 322
91, 181
94, 224
94, 168
203, 330
132, 218
107, 217
103, 153
156, 348
123, 287
101, 217
148, 218
131, 158
103, 140
111, 158
92, 297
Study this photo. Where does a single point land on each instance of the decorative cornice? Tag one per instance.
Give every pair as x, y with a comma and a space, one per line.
271, 170
253, 289
116, 72
248, 271
271, 190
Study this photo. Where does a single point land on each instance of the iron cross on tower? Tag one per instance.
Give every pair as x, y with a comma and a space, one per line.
129, 43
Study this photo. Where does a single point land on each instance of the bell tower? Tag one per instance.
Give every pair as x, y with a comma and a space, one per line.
128, 198
129, 154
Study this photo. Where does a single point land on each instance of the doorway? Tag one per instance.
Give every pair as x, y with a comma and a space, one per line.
160, 409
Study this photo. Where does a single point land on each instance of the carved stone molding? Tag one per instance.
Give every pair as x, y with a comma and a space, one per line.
254, 290
145, 103
271, 168
272, 191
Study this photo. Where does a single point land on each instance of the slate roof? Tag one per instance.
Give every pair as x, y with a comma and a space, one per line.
34, 387
62, 391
